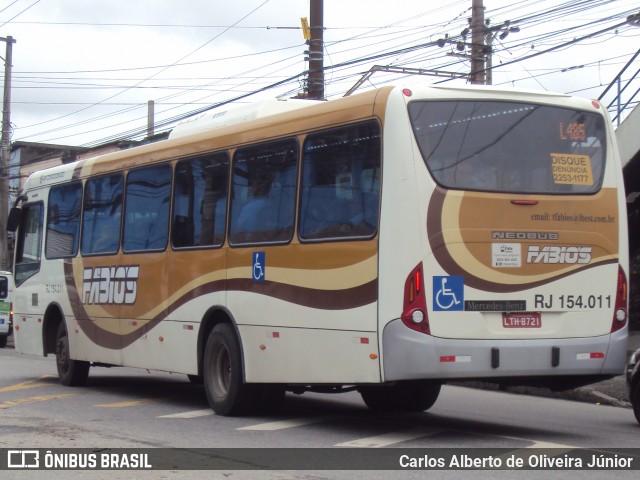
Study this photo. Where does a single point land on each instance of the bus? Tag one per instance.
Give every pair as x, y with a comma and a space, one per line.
386, 243
6, 310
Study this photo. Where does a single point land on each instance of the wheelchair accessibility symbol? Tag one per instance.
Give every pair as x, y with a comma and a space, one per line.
448, 293
258, 266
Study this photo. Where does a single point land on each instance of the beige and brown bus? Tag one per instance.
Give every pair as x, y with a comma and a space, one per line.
387, 242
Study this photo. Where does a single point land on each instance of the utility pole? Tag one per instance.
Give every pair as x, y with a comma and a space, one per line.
315, 81
489, 62
150, 118
477, 43
6, 153
501, 32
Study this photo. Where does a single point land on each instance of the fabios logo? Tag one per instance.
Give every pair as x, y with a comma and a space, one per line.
110, 285
556, 254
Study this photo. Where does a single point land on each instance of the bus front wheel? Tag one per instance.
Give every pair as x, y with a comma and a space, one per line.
224, 385
402, 397
72, 373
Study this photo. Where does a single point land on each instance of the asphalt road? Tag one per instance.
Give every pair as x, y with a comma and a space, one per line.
129, 408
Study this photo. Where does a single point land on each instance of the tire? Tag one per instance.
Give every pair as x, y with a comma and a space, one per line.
224, 385
402, 397
72, 373
3, 341
634, 397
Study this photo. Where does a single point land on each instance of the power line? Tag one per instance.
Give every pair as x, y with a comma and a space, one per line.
154, 67
162, 70
134, 133
421, 52
17, 15
102, 117
192, 25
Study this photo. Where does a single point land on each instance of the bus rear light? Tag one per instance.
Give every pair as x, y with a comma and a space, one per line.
417, 316
455, 359
590, 356
620, 309
415, 285
414, 311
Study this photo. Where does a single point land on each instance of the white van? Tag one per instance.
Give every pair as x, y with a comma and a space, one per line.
6, 312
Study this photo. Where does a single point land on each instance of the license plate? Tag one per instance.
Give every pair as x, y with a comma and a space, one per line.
522, 320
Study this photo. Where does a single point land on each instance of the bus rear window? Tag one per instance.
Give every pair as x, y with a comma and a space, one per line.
510, 147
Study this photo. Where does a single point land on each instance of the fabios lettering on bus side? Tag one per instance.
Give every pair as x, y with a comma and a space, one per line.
110, 285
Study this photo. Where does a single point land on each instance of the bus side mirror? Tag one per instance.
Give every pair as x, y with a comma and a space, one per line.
15, 214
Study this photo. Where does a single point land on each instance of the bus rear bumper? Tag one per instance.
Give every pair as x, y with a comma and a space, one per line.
410, 355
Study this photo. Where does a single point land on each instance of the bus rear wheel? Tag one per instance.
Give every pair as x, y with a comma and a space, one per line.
634, 398
402, 397
224, 385
71, 373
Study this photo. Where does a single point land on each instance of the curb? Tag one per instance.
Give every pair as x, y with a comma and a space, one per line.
609, 400
580, 394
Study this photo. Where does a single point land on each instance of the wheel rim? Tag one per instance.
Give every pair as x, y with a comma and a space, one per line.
221, 370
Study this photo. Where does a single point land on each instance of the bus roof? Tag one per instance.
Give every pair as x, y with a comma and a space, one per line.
233, 116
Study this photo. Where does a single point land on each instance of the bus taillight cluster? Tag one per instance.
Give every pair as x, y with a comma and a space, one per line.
620, 310
414, 311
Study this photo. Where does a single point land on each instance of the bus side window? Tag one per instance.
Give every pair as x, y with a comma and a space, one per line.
29, 244
341, 183
63, 221
200, 201
148, 194
264, 193
102, 214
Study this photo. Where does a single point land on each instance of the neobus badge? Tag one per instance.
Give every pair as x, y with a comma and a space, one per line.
110, 285
524, 235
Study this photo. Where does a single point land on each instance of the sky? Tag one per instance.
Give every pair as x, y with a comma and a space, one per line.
84, 70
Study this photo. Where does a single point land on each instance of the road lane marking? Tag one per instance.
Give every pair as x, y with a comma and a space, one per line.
283, 424
191, 414
40, 398
390, 438
537, 444
132, 403
35, 383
